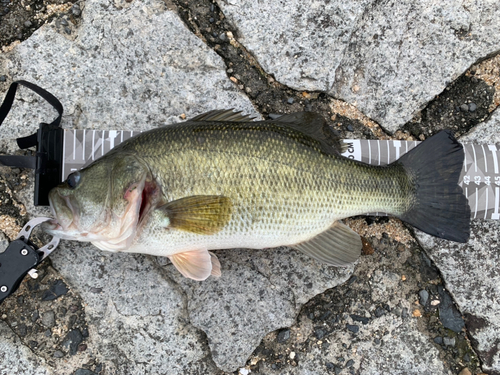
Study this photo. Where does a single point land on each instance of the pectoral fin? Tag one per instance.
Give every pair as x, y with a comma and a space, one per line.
196, 264
201, 214
337, 246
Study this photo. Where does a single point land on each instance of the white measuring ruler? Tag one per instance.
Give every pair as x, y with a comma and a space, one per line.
480, 177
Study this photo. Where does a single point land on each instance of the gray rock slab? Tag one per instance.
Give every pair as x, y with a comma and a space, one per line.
258, 292
137, 319
471, 270
389, 58
17, 358
131, 66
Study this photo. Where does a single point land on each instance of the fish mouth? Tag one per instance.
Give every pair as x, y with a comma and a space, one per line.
65, 216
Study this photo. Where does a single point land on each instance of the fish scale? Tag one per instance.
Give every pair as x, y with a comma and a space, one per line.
283, 187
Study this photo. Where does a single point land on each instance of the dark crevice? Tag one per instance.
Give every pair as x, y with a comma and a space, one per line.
472, 343
206, 20
462, 105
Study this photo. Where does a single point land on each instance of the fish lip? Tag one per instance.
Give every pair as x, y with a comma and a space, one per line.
61, 225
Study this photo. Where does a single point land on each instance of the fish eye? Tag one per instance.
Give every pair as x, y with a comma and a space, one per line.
73, 179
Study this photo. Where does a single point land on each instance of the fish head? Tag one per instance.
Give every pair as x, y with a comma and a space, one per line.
103, 203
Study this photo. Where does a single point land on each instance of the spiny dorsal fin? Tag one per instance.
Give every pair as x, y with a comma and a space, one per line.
201, 214
315, 126
223, 115
337, 246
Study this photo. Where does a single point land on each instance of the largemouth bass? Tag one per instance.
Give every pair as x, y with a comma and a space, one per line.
222, 181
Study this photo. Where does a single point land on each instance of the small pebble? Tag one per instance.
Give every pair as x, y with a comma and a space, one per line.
58, 354
95, 290
28, 24
283, 336
464, 107
379, 311
449, 341
466, 357
319, 333
438, 340
358, 318
3, 78
352, 328
49, 319
64, 22
292, 355
223, 37
75, 9
350, 128
290, 100
274, 116
349, 363
424, 296
465, 371
211, 20
35, 316
472, 107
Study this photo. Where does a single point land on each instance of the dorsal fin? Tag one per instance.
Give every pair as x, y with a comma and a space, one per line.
223, 115
315, 126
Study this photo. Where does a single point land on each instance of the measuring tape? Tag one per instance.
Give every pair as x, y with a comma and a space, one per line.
480, 177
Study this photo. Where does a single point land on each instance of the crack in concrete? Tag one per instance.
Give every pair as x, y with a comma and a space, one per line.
468, 335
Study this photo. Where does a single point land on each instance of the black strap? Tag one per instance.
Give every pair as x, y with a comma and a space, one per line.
31, 140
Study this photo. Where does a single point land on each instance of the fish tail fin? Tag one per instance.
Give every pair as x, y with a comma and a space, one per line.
439, 206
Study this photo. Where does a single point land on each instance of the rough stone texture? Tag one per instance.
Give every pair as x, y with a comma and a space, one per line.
131, 66
471, 270
387, 57
134, 313
259, 292
16, 358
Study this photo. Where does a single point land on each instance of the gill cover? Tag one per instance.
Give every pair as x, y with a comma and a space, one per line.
101, 203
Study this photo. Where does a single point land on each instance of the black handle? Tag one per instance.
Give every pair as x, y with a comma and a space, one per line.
15, 262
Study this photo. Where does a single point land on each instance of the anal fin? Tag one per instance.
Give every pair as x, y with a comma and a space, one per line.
196, 264
337, 246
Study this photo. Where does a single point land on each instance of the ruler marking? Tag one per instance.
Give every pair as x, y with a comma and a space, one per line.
485, 160
465, 158
74, 145
397, 146
495, 215
475, 208
486, 206
475, 158
102, 142
369, 153
83, 148
64, 155
112, 135
388, 153
494, 150
121, 136
378, 146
